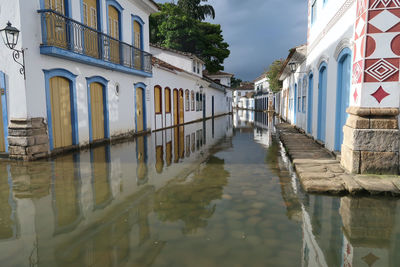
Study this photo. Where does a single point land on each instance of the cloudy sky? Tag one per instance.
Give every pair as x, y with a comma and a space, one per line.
259, 31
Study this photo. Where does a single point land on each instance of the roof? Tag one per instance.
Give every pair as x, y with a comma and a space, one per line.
245, 86
186, 54
300, 50
156, 61
218, 73
262, 76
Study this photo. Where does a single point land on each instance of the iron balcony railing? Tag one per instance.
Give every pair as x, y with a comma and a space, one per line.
65, 33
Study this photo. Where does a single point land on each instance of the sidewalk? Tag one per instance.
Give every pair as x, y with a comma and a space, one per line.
320, 172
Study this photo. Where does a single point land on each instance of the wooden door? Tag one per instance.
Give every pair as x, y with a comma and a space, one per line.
2, 139
310, 103
97, 111
137, 32
56, 24
322, 103
176, 107
181, 108
139, 110
90, 18
60, 98
113, 31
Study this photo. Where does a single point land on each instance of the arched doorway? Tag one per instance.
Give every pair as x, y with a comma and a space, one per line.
181, 107
98, 111
322, 86
343, 95
310, 102
139, 109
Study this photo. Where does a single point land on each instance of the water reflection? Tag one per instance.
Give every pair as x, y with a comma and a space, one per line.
187, 196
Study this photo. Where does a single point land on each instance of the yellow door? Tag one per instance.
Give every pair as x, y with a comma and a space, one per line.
113, 24
169, 153
137, 43
176, 112
61, 112
181, 108
91, 37
97, 111
56, 24
139, 110
2, 141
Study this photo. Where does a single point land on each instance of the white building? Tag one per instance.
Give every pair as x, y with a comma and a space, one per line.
87, 68
221, 77
239, 94
180, 91
261, 88
351, 71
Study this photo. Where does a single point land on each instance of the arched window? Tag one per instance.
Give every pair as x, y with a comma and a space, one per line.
167, 100
192, 96
187, 100
157, 100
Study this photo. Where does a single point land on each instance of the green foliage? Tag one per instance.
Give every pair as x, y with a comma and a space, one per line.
235, 82
173, 28
273, 75
195, 10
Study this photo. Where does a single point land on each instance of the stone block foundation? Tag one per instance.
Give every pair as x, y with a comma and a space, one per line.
371, 141
28, 139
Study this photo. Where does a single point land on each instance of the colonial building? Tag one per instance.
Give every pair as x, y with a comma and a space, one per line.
350, 78
239, 94
87, 68
221, 77
261, 88
181, 93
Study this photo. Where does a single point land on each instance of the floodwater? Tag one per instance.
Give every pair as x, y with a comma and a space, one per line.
218, 193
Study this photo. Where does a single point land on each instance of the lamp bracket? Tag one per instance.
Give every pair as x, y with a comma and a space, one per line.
17, 54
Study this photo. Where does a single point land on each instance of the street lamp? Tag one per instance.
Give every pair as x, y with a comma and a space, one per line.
10, 36
293, 66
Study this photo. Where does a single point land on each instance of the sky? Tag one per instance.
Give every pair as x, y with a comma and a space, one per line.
259, 32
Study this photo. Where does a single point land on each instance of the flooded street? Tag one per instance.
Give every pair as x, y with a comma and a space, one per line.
215, 193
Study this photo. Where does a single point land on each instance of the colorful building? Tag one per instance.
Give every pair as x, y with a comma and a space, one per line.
349, 82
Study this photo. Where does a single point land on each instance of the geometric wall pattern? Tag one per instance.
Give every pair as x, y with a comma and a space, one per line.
376, 60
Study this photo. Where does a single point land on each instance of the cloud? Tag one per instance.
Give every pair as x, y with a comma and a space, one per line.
259, 31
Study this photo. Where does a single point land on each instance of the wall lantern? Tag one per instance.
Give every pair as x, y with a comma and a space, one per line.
10, 36
293, 67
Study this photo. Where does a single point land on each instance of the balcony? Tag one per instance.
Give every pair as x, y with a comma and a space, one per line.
69, 39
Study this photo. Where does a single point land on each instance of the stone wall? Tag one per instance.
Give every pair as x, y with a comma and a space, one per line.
371, 141
28, 139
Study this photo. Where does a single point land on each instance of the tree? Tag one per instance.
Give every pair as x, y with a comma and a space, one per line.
273, 75
195, 10
173, 28
235, 82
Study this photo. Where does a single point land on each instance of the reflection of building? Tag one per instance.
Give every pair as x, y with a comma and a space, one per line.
95, 207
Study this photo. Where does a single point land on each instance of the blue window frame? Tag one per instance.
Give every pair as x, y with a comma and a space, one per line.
120, 10
48, 74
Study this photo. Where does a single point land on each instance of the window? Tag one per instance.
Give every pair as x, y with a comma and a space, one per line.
197, 101
304, 94
239, 94
201, 102
313, 11
85, 15
187, 100
167, 100
157, 100
93, 18
194, 66
198, 67
299, 97
192, 96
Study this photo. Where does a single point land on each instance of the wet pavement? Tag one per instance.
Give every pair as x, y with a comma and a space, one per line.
218, 193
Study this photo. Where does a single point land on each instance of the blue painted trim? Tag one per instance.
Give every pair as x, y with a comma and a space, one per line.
104, 83
295, 101
61, 53
310, 102
48, 74
142, 86
120, 10
341, 94
3, 100
141, 22
67, 5
322, 88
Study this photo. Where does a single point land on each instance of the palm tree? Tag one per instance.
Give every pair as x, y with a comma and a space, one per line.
196, 10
